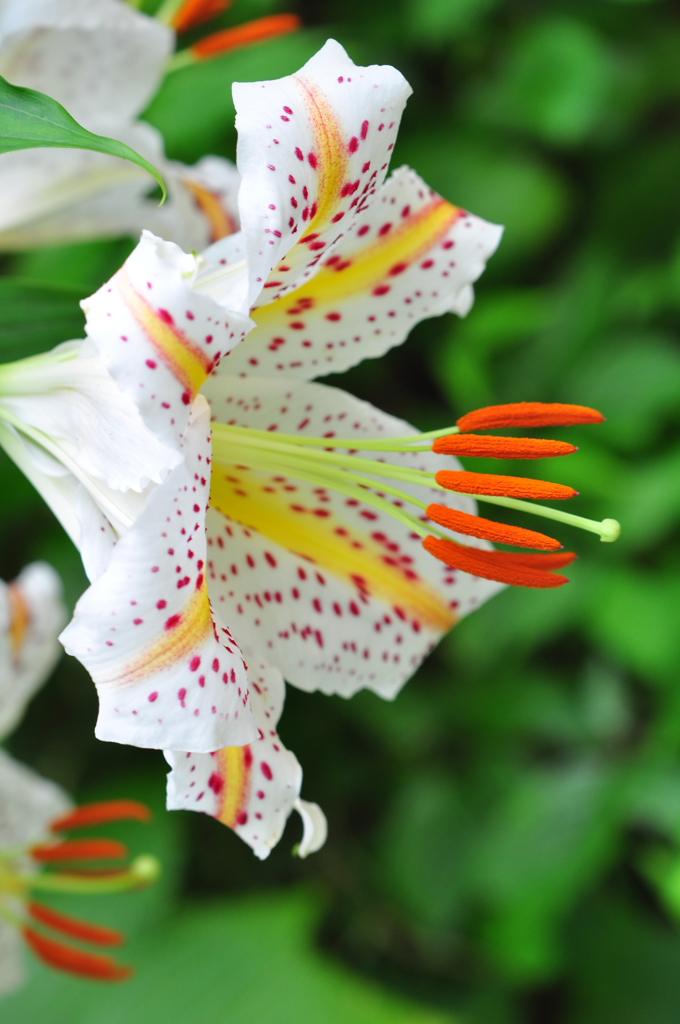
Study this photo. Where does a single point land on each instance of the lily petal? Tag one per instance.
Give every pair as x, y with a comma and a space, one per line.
335, 593
31, 614
68, 396
90, 55
144, 629
158, 338
310, 146
251, 789
407, 255
315, 827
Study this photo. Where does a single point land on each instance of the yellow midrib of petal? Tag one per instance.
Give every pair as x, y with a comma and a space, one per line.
235, 775
330, 150
188, 363
315, 538
173, 644
370, 267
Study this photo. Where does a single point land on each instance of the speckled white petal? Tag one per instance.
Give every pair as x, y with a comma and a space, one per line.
310, 147
407, 255
92, 56
158, 338
166, 675
314, 825
31, 615
251, 789
335, 593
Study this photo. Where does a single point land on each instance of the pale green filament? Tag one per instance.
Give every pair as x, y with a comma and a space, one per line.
290, 454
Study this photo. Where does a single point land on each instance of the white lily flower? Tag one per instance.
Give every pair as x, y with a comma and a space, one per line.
34, 812
103, 61
266, 548
31, 615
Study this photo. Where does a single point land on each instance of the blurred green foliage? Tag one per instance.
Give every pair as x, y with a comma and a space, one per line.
504, 837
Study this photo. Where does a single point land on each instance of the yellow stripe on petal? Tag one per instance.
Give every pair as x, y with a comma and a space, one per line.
358, 275
349, 555
182, 635
188, 363
329, 156
234, 772
19, 619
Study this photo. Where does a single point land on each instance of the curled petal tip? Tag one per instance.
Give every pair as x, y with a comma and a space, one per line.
315, 827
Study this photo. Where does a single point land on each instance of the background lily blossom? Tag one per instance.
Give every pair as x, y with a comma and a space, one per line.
103, 61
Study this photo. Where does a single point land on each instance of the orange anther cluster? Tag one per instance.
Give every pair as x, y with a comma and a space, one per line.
483, 446
486, 529
75, 961
530, 570
61, 954
515, 570
193, 12
73, 926
269, 27
79, 849
503, 486
529, 414
100, 813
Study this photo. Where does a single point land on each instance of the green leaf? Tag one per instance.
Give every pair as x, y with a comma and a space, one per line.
31, 120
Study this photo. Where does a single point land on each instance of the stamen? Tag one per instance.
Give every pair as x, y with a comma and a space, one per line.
502, 486
143, 871
193, 12
515, 570
486, 529
529, 414
74, 927
74, 961
98, 813
270, 27
79, 849
482, 446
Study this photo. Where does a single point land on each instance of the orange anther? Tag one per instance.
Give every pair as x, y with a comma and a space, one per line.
79, 849
502, 486
75, 961
484, 446
494, 565
529, 414
486, 529
558, 560
74, 927
193, 12
98, 813
243, 35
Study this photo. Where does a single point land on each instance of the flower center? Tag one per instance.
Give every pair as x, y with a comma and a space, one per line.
332, 463
22, 873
